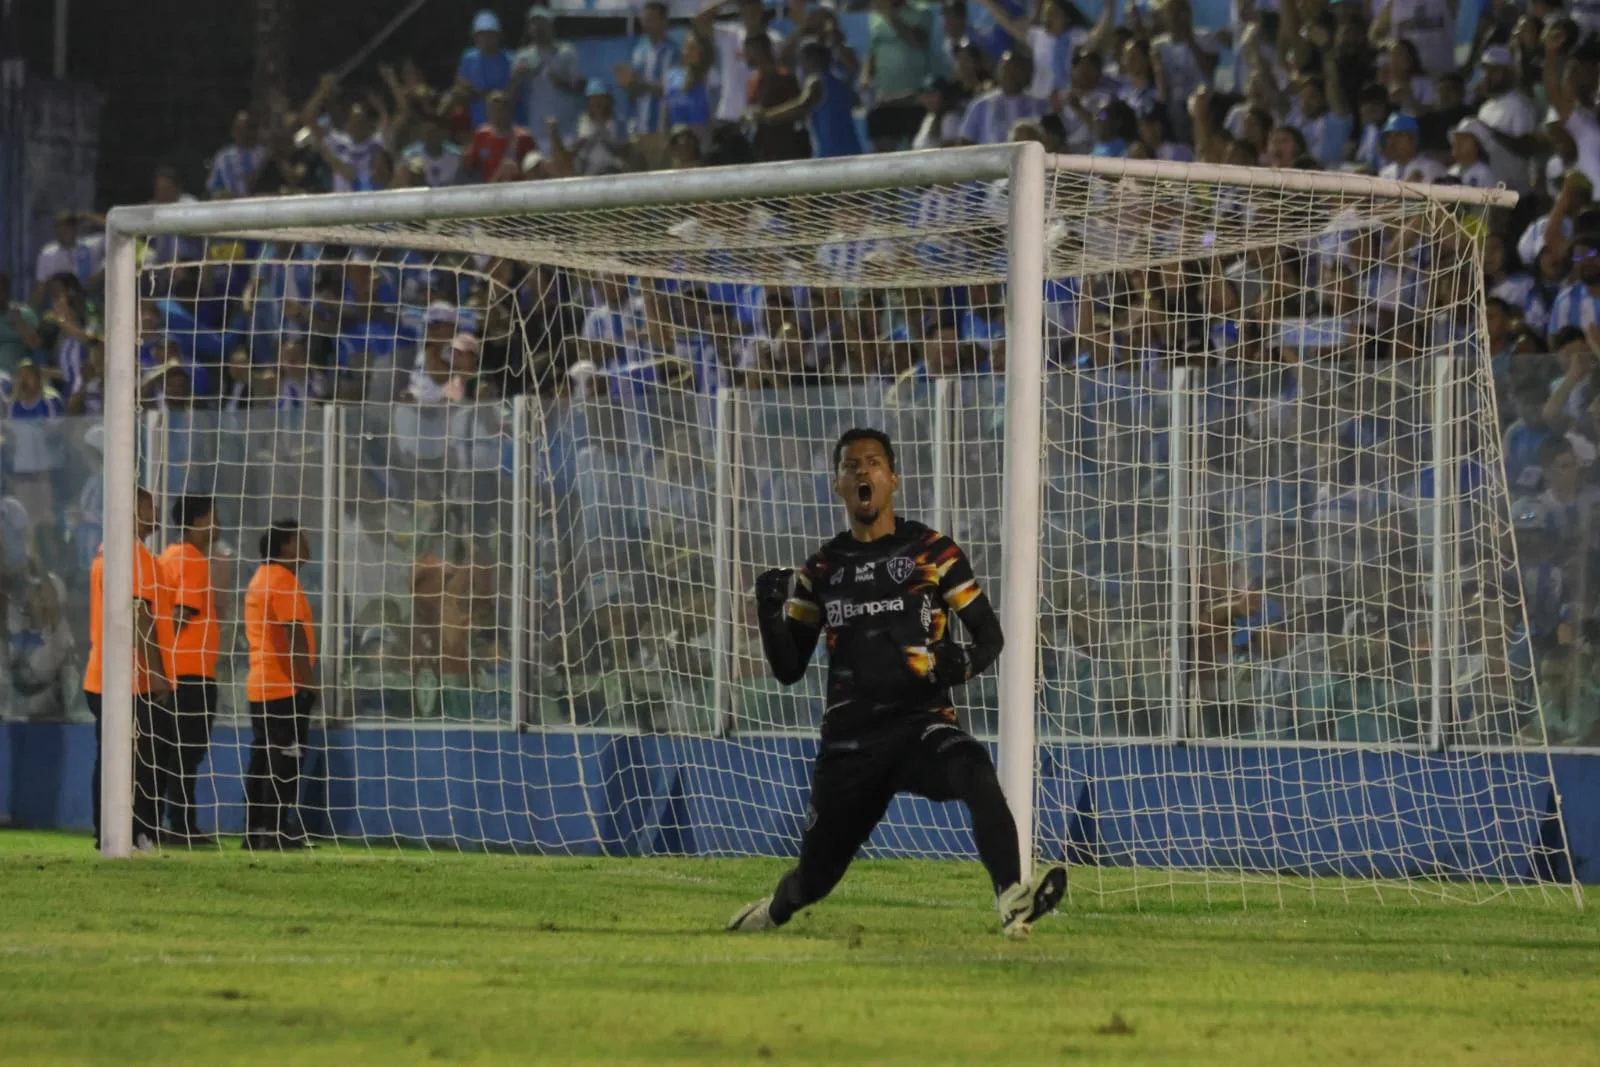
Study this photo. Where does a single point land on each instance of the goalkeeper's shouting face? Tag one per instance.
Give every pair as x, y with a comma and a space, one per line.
865, 478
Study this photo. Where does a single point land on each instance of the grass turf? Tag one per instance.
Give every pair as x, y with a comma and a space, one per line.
384, 958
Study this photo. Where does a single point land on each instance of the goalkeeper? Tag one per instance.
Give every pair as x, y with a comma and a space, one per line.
882, 594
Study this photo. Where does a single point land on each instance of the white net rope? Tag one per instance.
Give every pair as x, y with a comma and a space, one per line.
541, 459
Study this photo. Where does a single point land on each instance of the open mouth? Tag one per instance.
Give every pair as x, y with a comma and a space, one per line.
864, 492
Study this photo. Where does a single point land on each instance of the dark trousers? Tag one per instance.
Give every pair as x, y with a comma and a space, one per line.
149, 756
277, 747
185, 741
856, 778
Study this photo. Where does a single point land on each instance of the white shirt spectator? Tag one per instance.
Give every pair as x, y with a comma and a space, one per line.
735, 73
82, 260
536, 67
1430, 26
437, 171
232, 169
1052, 58
357, 156
1531, 243
1477, 176
1420, 169
1585, 130
938, 131
1511, 113
990, 117
1586, 13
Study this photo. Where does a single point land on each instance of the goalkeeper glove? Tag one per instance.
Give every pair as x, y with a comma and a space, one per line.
951, 664
772, 590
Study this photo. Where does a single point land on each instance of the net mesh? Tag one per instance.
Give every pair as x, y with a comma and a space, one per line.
542, 458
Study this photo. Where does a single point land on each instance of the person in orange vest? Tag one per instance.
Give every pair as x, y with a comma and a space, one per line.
280, 688
152, 687
186, 577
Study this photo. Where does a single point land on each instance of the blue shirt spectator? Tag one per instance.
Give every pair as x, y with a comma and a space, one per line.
485, 66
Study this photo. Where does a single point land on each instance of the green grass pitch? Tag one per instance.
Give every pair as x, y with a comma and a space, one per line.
354, 957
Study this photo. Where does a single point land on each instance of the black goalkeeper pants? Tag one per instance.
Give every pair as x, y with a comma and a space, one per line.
854, 781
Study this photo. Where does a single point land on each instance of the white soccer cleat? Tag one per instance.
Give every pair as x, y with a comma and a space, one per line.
1026, 903
753, 918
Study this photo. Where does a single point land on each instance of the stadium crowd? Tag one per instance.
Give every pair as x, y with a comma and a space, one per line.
248, 338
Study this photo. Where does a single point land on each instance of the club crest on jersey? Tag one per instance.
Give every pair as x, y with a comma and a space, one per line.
900, 568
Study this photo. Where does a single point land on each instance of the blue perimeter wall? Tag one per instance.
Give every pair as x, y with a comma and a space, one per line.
1289, 809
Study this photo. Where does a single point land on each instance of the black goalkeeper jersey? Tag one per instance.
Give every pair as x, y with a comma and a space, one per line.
881, 606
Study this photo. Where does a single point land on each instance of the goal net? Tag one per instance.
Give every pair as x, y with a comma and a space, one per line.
541, 439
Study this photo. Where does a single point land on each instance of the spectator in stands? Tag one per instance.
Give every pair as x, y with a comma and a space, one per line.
1531, 430
770, 88
349, 152
435, 161
991, 116
1322, 114
545, 79
1469, 155
601, 145
72, 252
728, 40
944, 106
1084, 100
235, 166
1508, 114
39, 648
499, 146
1400, 147
899, 64
485, 67
31, 398
1402, 78
1428, 25
443, 374
1186, 64
648, 79
826, 104
19, 329
691, 92
88, 392
33, 446
66, 332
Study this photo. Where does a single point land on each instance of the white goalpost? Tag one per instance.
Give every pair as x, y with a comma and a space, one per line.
1220, 442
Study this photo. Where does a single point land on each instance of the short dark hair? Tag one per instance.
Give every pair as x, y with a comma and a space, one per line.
1552, 448
188, 510
277, 538
659, 5
1565, 336
861, 433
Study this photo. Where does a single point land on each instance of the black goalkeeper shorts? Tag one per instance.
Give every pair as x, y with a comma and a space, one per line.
914, 753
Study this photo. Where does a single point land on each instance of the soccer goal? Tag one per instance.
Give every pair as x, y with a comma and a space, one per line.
1220, 442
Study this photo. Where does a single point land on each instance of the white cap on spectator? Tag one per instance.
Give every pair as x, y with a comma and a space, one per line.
1496, 55
486, 22
441, 311
465, 342
1475, 129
